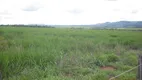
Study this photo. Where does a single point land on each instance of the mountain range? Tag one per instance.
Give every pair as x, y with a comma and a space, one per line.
119, 24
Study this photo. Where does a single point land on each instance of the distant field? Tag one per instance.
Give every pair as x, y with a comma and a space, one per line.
68, 54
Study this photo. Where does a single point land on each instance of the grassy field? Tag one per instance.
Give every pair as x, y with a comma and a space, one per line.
68, 54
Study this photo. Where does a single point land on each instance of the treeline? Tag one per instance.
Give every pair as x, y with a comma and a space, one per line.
19, 25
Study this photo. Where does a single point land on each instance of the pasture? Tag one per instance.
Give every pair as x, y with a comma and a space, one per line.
68, 54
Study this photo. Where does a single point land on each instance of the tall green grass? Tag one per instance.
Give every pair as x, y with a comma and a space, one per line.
67, 54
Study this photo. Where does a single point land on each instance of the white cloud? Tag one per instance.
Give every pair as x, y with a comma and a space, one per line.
134, 11
68, 11
75, 11
31, 8
5, 12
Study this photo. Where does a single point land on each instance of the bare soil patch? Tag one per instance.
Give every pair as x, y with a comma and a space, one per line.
110, 68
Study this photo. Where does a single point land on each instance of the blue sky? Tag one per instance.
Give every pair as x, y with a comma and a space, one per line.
66, 12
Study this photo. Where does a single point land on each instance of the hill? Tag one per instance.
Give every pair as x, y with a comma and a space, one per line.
120, 24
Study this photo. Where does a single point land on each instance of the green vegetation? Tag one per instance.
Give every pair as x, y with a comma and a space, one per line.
67, 54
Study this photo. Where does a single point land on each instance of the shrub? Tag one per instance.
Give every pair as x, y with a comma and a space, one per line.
101, 60
3, 43
112, 58
113, 35
130, 60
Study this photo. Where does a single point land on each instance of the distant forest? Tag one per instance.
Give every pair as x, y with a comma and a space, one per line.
22, 25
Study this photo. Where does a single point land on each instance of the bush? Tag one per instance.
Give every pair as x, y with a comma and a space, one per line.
112, 58
113, 35
130, 60
101, 60
3, 43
